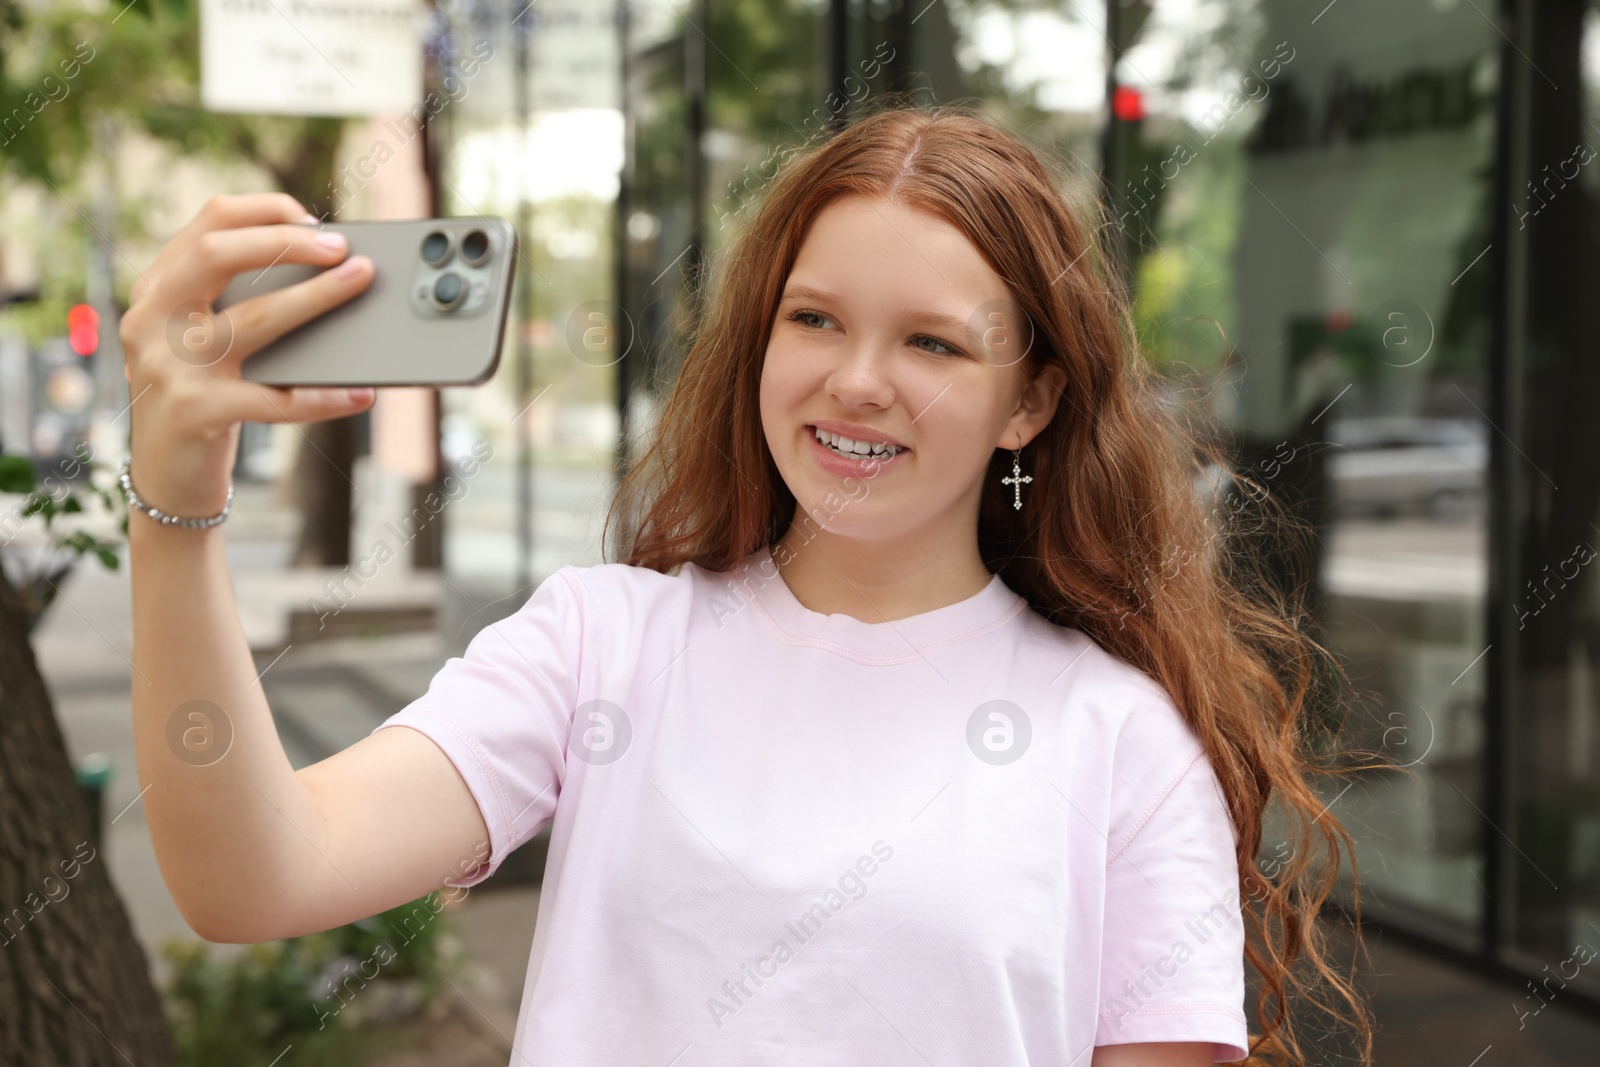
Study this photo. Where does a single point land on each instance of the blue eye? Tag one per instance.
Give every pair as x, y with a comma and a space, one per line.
795, 316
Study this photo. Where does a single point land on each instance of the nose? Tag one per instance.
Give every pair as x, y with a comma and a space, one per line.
861, 377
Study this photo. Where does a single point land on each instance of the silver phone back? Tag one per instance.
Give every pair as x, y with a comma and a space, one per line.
392, 333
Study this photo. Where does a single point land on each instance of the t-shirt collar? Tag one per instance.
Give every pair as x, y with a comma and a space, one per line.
893, 641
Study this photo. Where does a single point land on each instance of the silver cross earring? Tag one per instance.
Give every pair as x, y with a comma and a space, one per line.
1017, 477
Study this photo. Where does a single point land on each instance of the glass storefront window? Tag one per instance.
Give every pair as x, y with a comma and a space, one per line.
1304, 208
556, 396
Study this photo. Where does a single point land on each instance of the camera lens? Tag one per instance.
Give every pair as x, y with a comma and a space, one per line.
449, 289
475, 248
436, 247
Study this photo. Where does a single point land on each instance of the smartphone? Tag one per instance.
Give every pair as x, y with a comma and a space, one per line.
434, 313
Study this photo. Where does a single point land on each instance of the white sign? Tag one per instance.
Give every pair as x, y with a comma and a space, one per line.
572, 60
311, 57
575, 55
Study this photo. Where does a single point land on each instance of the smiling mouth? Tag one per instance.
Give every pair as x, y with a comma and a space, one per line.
843, 446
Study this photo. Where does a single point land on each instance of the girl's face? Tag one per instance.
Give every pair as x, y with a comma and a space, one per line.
892, 328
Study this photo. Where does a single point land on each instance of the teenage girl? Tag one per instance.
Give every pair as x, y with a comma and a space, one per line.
926, 717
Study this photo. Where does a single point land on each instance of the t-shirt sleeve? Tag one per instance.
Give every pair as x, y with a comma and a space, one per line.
1172, 963
502, 713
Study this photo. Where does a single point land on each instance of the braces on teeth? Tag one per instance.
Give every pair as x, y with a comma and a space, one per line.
832, 442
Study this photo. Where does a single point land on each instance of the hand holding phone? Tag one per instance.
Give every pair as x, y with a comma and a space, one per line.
183, 358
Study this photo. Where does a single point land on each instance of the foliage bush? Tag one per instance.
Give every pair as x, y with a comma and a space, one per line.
246, 1009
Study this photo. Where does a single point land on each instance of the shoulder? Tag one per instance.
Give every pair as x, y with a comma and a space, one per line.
624, 599
1124, 704
1127, 735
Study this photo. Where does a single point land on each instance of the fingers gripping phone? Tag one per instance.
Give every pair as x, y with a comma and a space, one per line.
434, 313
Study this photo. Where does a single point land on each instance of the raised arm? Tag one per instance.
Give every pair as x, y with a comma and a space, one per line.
1154, 1054
250, 849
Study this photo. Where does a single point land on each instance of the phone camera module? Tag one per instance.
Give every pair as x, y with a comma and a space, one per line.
436, 248
449, 290
475, 248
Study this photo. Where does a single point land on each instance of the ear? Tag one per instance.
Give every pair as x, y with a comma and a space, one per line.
1036, 406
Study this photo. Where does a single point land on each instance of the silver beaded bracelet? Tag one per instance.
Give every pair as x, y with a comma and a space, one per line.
125, 479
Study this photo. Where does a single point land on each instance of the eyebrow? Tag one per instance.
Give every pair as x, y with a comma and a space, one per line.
935, 318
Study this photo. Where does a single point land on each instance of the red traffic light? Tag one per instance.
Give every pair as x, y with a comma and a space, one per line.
1127, 103
83, 329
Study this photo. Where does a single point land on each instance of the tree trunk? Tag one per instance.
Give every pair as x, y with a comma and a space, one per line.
427, 548
324, 490
324, 469
75, 986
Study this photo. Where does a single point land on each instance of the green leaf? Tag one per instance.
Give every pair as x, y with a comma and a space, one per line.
73, 506
16, 474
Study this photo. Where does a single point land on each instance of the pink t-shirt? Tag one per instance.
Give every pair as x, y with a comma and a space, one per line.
968, 836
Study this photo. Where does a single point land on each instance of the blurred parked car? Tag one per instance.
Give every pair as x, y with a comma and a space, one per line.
1398, 464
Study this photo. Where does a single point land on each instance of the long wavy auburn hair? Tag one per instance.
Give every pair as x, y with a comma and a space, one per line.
1117, 537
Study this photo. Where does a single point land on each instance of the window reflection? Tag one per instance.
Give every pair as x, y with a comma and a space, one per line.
514, 525
1301, 208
